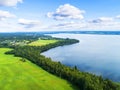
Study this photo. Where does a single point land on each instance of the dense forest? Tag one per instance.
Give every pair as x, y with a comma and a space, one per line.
84, 80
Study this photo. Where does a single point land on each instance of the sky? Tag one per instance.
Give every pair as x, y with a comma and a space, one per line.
59, 15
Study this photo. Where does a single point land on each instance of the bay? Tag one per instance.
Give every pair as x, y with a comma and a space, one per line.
97, 54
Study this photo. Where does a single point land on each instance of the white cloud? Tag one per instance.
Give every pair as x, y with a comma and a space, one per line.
6, 14
102, 20
67, 26
103, 23
10, 2
29, 23
118, 17
67, 11
106, 26
106, 19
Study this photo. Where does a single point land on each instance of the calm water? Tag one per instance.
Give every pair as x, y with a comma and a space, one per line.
98, 54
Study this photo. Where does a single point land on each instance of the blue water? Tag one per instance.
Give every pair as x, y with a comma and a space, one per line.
98, 54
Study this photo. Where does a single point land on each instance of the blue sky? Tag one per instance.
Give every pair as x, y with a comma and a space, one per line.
59, 15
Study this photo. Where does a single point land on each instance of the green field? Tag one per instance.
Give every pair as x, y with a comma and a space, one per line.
42, 42
18, 75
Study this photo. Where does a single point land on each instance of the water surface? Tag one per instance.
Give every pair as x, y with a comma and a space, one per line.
98, 54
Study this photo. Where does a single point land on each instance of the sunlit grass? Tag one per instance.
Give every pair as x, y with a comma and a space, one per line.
42, 42
18, 75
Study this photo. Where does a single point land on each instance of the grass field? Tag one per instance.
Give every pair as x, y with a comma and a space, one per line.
18, 75
42, 42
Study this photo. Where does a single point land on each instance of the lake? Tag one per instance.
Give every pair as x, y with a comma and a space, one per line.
97, 54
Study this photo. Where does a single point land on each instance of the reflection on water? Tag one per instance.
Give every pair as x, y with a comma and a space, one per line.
99, 54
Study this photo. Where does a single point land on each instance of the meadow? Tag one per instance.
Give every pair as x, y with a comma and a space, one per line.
18, 75
42, 42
